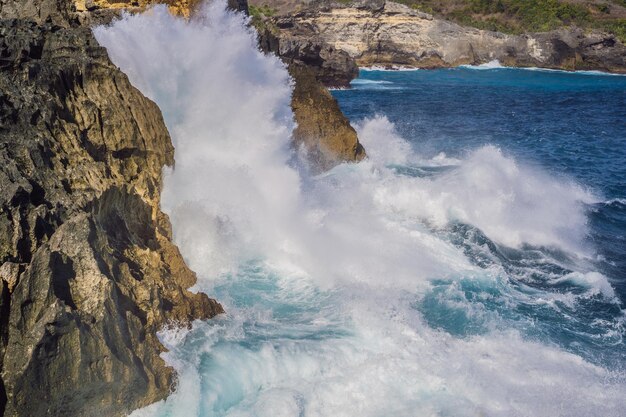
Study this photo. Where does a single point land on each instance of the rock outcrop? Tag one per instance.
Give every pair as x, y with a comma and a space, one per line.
88, 271
323, 130
379, 33
333, 67
102, 11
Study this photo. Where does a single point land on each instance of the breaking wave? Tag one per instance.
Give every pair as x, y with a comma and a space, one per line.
396, 286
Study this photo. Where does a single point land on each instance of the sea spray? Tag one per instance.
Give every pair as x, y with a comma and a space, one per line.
341, 289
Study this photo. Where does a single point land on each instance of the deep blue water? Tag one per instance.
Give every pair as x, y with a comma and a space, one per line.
572, 125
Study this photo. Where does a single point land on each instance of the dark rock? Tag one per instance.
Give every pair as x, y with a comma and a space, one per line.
332, 67
238, 5
88, 272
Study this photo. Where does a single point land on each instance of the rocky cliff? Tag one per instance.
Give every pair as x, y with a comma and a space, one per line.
322, 129
378, 32
88, 270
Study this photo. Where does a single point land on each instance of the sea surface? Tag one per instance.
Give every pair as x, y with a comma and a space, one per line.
473, 265
569, 125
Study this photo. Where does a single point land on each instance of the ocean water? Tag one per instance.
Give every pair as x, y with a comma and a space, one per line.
473, 265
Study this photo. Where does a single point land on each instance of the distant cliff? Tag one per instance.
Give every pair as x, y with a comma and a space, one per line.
376, 32
88, 271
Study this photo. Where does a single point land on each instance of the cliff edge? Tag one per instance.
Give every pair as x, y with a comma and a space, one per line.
88, 271
388, 34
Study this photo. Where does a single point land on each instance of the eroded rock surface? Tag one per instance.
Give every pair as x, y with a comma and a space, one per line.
88, 270
323, 130
333, 67
375, 32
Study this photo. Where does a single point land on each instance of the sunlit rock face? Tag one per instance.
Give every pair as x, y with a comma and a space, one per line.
322, 129
379, 33
88, 270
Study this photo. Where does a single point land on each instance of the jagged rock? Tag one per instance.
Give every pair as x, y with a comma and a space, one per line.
332, 67
95, 11
57, 12
88, 270
396, 35
322, 129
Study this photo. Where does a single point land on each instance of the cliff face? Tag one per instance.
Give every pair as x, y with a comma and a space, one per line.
88, 270
323, 130
376, 32
333, 67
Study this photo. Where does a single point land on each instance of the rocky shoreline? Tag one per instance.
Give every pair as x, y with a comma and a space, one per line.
366, 33
88, 270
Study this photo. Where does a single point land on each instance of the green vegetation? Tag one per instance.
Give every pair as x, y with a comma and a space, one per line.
259, 16
518, 16
618, 27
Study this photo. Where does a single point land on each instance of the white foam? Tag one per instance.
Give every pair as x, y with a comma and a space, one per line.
390, 68
363, 84
579, 72
621, 201
325, 322
597, 282
359, 81
512, 204
495, 64
390, 365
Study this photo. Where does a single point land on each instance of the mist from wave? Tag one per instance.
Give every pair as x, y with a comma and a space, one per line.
400, 285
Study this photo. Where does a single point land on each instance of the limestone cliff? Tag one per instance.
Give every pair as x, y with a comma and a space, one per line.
333, 67
376, 32
88, 270
322, 129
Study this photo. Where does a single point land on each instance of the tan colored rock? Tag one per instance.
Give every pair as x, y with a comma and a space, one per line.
323, 131
390, 34
184, 8
88, 270
9, 273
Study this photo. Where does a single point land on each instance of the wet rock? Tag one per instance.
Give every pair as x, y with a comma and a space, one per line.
323, 130
88, 270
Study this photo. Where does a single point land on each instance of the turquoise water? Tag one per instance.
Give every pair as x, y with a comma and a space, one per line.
571, 125
471, 266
